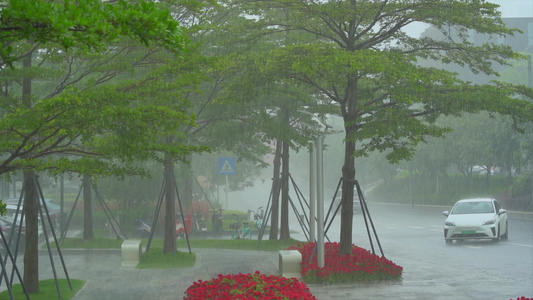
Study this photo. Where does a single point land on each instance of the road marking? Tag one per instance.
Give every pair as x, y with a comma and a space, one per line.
437, 230
523, 245
415, 227
473, 247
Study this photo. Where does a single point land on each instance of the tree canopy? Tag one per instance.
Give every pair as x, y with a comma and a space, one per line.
91, 24
71, 126
357, 54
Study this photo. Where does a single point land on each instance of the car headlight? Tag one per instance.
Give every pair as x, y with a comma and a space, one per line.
447, 223
489, 222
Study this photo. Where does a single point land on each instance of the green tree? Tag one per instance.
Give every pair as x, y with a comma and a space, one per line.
363, 60
96, 131
271, 105
88, 24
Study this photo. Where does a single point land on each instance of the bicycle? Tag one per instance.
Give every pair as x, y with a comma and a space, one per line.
257, 217
238, 231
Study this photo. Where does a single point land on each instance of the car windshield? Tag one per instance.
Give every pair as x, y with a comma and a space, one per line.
473, 208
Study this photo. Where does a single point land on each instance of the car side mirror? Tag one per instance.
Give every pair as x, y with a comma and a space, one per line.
501, 211
446, 213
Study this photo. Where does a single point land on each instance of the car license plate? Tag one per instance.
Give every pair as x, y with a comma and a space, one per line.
468, 232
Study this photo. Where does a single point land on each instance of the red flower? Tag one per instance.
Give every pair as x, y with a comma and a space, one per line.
249, 286
360, 265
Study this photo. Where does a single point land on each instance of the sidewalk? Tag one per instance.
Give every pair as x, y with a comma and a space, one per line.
108, 280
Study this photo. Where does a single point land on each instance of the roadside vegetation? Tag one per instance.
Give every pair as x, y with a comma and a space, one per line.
253, 244
156, 259
47, 290
446, 190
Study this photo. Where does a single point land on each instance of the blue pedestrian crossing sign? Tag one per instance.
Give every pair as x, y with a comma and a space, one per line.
227, 165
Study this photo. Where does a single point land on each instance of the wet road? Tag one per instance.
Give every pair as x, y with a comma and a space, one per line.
413, 238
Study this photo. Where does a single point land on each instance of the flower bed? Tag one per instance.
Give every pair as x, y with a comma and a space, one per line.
248, 286
360, 265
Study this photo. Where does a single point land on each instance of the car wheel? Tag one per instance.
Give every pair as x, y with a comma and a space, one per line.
448, 241
497, 238
505, 236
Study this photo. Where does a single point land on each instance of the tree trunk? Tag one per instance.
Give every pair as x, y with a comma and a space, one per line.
276, 187
169, 243
468, 180
284, 225
31, 213
348, 182
349, 115
31, 205
88, 233
509, 175
487, 177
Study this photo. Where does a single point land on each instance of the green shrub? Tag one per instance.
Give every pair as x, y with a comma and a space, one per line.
522, 185
428, 190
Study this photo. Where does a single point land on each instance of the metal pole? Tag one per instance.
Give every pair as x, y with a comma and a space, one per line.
411, 187
530, 77
227, 190
312, 192
320, 200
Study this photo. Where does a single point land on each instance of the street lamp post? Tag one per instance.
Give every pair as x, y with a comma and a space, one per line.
320, 200
317, 184
312, 191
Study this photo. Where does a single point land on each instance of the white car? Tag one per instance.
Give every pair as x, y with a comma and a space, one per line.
481, 218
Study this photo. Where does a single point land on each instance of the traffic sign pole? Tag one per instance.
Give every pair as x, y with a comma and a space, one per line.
227, 166
227, 190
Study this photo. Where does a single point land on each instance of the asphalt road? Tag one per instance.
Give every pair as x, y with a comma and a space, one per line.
413, 239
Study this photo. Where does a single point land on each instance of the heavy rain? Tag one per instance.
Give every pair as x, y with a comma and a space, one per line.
245, 145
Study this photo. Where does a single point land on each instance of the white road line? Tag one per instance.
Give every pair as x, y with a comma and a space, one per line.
415, 227
522, 245
473, 247
437, 230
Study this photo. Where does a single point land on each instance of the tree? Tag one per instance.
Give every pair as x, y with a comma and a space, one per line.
98, 131
89, 24
271, 105
361, 59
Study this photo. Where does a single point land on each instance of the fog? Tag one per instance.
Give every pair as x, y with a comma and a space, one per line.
515, 8
406, 201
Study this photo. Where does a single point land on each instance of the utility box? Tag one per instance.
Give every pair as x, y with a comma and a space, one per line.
131, 253
290, 264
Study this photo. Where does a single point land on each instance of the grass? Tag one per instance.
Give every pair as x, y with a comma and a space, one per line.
156, 259
97, 243
266, 245
47, 290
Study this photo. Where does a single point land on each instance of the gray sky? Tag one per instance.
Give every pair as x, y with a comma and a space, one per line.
509, 9
515, 8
